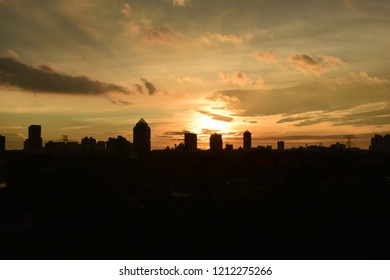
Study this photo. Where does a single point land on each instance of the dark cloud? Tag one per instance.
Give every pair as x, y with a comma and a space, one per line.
216, 116
175, 133
46, 80
119, 102
307, 64
139, 88
149, 87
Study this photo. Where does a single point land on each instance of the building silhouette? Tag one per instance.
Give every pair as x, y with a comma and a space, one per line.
338, 147
88, 145
281, 146
386, 143
118, 146
141, 137
247, 141
377, 143
216, 142
100, 147
34, 140
380, 143
229, 147
2, 144
190, 142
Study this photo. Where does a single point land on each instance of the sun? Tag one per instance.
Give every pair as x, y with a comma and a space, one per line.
204, 122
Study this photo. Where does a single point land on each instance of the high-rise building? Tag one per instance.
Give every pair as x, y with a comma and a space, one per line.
216, 142
247, 141
386, 143
2, 144
190, 142
377, 143
281, 146
141, 137
34, 140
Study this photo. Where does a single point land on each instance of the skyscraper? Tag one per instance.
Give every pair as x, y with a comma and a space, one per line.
247, 141
377, 143
190, 142
2, 144
141, 137
34, 140
216, 142
281, 146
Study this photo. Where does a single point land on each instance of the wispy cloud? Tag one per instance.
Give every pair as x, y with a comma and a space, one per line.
180, 3
45, 79
308, 104
215, 38
217, 116
239, 78
162, 35
366, 77
266, 56
146, 87
126, 9
188, 79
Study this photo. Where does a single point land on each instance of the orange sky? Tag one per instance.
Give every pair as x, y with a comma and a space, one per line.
306, 72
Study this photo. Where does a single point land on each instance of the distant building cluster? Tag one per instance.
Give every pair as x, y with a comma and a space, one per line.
380, 143
142, 143
89, 145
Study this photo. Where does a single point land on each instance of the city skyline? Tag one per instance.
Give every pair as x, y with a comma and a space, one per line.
305, 73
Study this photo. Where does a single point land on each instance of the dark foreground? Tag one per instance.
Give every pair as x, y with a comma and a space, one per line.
261, 205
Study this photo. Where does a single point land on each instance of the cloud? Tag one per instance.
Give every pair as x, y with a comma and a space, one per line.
139, 88
309, 65
216, 116
126, 9
162, 35
326, 98
366, 77
239, 78
180, 3
188, 79
306, 64
119, 101
151, 89
46, 80
11, 54
265, 56
215, 38
376, 114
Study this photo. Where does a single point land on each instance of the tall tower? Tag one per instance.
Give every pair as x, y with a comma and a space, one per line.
190, 142
247, 141
34, 140
281, 146
2, 144
141, 137
216, 142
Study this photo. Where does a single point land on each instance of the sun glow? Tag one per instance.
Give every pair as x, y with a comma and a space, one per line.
207, 125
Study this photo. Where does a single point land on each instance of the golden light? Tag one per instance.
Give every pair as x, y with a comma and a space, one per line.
204, 122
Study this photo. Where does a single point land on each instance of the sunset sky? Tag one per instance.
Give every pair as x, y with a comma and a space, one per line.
305, 71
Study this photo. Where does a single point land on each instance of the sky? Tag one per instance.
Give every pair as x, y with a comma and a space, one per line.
304, 71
